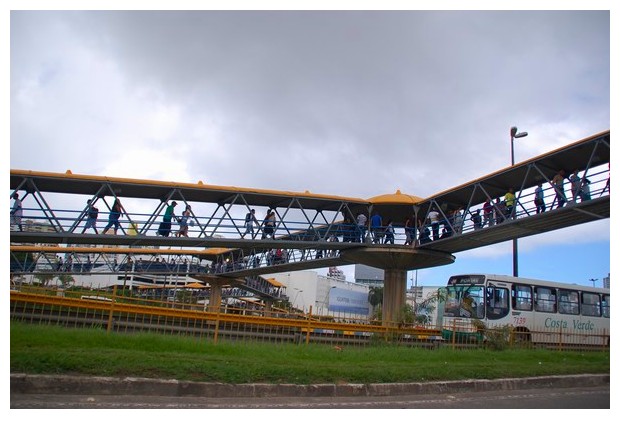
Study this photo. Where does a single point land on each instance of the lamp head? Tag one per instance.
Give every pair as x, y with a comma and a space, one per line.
513, 131
515, 134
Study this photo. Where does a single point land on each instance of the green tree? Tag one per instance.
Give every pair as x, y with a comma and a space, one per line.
66, 279
423, 310
44, 278
375, 296
185, 296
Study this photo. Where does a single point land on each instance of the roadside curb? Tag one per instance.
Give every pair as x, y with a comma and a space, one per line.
80, 385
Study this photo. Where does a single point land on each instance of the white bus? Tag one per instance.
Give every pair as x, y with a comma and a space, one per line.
538, 311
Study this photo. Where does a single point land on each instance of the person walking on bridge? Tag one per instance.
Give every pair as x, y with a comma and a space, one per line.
92, 213
361, 227
476, 219
376, 228
500, 211
558, 185
184, 222
410, 230
113, 219
423, 233
16, 211
250, 220
433, 218
458, 221
510, 202
539, 199
269, 225
389, 233
585, 189
166, 225
575, 185
488, 213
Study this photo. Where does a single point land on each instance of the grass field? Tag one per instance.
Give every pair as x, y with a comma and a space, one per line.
40, 349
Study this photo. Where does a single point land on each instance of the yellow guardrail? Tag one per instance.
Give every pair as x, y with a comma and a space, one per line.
114, 306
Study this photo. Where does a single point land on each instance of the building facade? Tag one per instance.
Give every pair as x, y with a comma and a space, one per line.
326, 295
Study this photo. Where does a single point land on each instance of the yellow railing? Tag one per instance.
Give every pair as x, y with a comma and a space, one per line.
115, 312
120, 313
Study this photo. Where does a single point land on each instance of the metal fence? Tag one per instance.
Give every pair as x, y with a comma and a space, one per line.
123, 314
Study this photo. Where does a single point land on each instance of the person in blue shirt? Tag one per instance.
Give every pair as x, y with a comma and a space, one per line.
113, 219
376, 228
539, 199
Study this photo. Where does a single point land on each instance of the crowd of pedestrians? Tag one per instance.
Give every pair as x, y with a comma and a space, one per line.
438, 223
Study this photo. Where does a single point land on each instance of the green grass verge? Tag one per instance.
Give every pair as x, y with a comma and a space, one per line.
40, 349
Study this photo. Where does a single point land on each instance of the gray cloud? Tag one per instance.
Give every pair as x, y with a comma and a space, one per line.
350, 102
354, 103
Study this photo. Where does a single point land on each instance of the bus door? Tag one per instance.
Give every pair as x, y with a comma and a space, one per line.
496, 301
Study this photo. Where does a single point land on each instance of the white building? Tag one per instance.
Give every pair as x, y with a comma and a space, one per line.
418, 295
606, 281
326, 295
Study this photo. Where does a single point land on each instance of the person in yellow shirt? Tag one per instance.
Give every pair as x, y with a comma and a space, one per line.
510, 202
558, 185
133, 229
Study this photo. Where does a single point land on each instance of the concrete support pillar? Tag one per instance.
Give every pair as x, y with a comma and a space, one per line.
268, 308
215, 301
394, 295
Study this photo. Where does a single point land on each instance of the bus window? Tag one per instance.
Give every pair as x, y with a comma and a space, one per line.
497, 302
605, 306
522, 297
451, 303
544, 299
472, 304
568, 301
464, 301
590, 304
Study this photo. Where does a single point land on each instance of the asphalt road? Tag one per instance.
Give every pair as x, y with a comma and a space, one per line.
595, 397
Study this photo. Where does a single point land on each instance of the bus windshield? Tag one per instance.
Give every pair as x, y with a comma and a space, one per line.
464, 301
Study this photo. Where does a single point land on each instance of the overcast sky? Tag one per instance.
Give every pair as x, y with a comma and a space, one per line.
347, 103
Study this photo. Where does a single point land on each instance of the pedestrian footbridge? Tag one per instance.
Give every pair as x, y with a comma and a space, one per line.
309, 230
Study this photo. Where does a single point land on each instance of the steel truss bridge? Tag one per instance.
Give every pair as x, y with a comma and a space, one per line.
311, 230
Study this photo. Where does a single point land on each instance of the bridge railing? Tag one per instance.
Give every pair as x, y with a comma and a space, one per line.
295, 225
291, 225
464, 219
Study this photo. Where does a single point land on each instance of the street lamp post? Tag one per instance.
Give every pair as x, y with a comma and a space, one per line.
514, 134
326, 300
593, 282
297, 296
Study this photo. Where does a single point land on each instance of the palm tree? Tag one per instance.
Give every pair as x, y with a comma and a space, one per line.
44, 278
375, 296
65, 279
422, 310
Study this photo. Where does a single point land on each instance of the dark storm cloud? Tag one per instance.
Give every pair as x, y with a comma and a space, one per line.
353, 103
